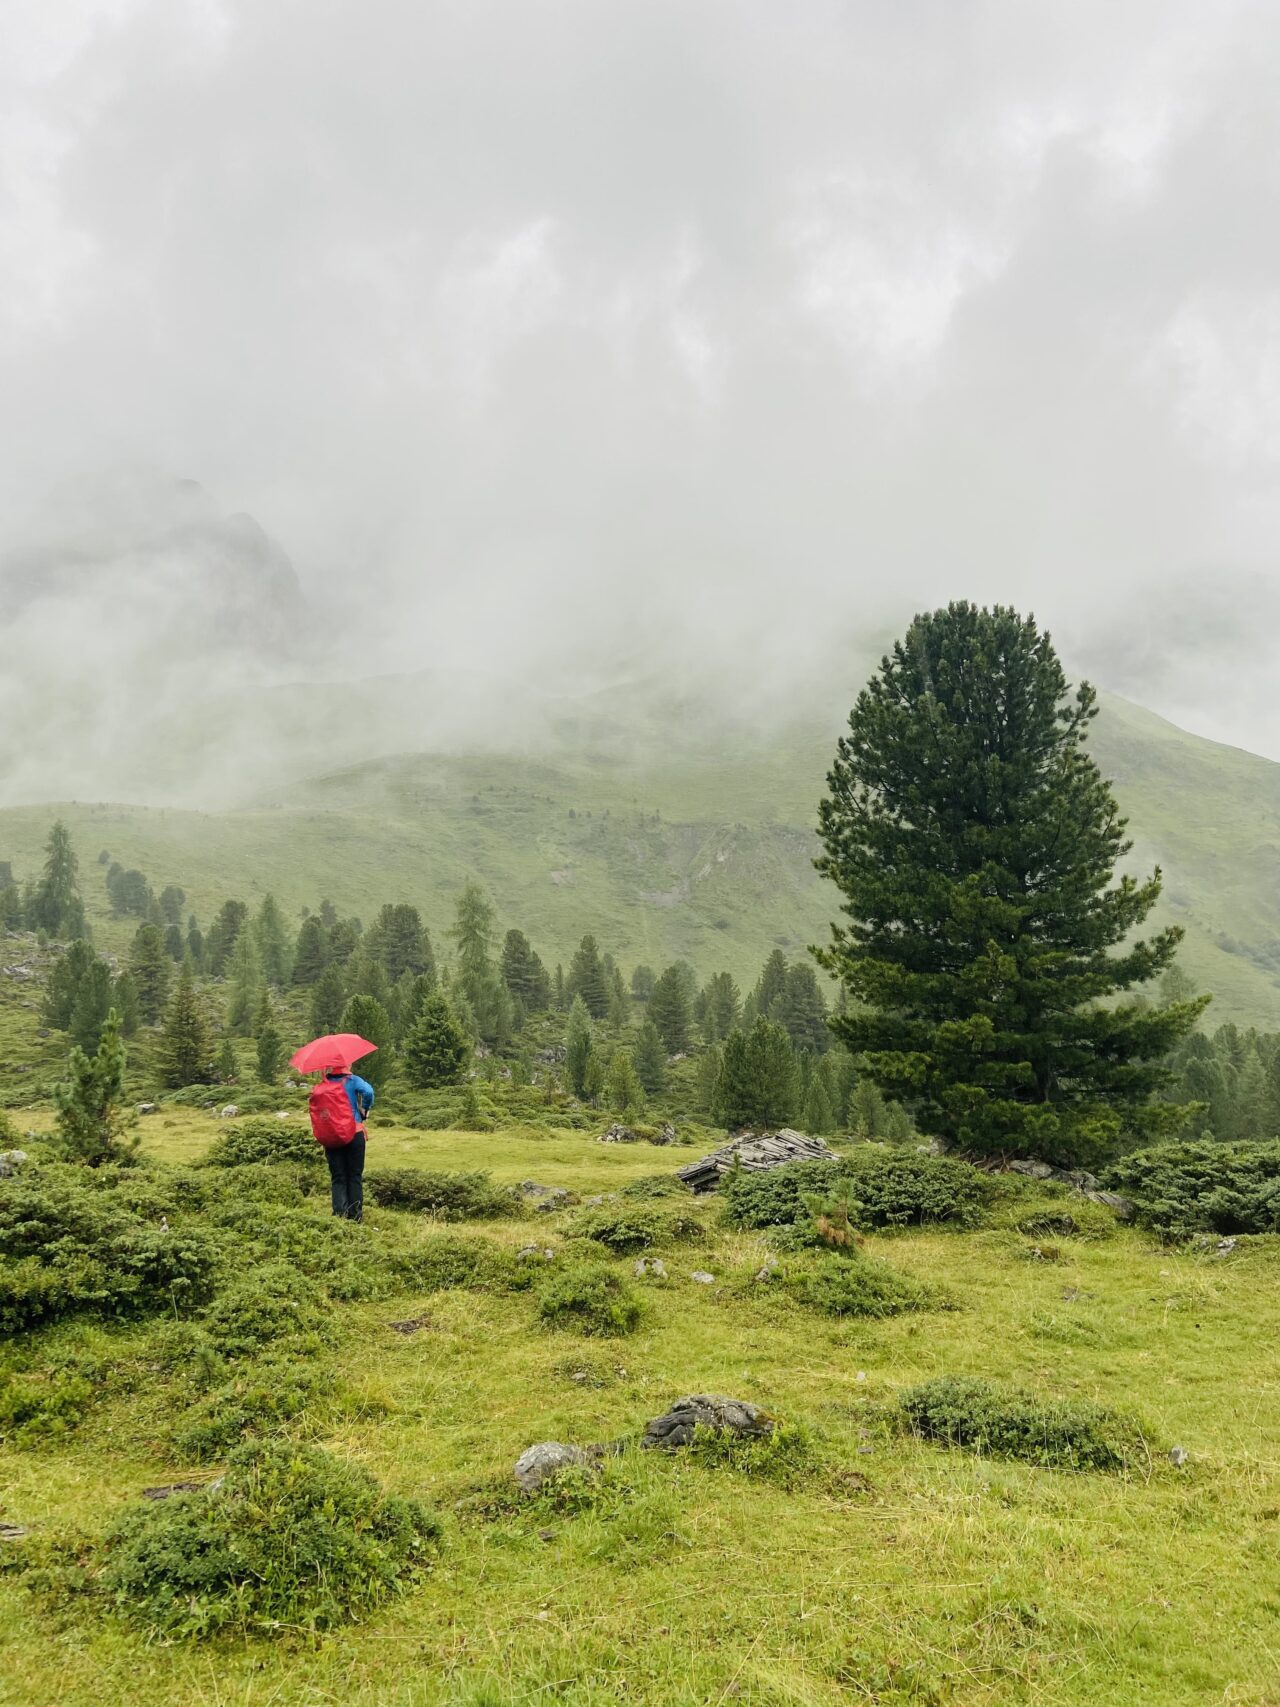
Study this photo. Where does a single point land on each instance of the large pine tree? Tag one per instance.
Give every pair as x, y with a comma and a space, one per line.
586, 978
975, 844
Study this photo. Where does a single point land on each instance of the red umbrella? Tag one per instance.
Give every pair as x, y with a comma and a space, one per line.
331, 1054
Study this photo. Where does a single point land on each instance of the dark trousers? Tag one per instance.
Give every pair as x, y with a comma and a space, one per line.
346, 1178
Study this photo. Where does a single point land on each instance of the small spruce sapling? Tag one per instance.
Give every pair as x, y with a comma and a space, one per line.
93, 1120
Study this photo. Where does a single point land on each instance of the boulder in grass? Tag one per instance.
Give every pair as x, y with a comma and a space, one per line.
538, 1464
755, 1152
677, 1426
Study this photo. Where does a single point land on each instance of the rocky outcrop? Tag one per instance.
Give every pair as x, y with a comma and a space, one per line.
1077, 1180
676, 1427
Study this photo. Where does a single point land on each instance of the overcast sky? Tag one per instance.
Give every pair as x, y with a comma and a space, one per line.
701, 329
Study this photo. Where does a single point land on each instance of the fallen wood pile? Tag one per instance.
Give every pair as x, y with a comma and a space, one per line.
755, 1151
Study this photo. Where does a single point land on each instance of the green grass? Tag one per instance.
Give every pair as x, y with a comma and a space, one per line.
895, 1571
680, 845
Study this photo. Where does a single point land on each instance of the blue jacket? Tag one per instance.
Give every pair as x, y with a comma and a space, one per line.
359, 1094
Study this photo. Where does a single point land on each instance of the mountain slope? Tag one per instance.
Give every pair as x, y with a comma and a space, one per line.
704, 852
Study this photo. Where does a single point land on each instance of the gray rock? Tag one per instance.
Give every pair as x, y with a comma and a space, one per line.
666, 1134
545, 1197
167, 1490
651, 1265
755, 1151
229, 1112
768, 1270
536, 1464
535, 1253
12, 1532
676, 1427
146, 1108
11, 1161
1121, 1207
702, 1277
1077, 1180
1224, 1247
1178, 1456
618, 1134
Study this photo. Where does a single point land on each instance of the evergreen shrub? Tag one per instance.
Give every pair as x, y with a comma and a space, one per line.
1002, 1422
40, 1406
624, 1230
263, 1140
261, 1399
591, 1298
272, 1302
70, 1246
893, 1188
446, 1196
840, 1286
292, 1538
1202, 1187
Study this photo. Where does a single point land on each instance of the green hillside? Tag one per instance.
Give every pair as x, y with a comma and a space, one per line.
675, 840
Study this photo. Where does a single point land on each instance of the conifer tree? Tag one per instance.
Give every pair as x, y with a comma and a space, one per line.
272, 941
707, 1080
311, 951
151, 970
619, 1012
975, 845
245, 989
801, 1011
758, 1078
172, 901
93, 1120
228, 1067
771, 984
399, 939
224, 933
623, 1092
642, 982
328, 996
124, 999
578, 1048
721, 1005
586, 979
270, 1050
816, 1114
175, 944
185, 1051
92, 1005
60, 992
11, 912
436, 1051
476, 977
524, 974
55, 904
410, 995
867, 1110
650, 1058
559, 994
370, 1020
670, 1009
195, 944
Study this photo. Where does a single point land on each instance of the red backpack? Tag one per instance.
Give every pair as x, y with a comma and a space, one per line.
333, 1120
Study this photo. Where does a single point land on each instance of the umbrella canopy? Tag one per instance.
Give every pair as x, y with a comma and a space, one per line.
329, 1054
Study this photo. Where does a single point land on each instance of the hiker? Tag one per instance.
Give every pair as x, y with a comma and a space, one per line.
340, 1105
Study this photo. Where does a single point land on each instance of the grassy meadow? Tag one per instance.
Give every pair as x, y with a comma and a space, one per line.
884, 1570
